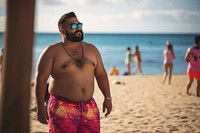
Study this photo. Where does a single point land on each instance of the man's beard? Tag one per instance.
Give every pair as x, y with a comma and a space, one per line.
72, 36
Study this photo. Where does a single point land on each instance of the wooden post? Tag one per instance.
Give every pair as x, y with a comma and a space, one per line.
15, 95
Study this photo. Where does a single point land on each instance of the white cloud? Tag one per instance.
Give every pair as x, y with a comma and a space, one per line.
113, 1
117, 15
166, 15
87, 2
143, 4
52, 2
2, 23
46, 22
69, 2
2, 2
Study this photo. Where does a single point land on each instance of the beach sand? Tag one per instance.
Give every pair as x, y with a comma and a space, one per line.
141, 104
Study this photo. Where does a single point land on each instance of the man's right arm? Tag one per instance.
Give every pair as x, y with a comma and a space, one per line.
43, 71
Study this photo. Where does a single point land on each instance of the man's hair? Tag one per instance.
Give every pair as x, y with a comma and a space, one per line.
63, 18
197, 39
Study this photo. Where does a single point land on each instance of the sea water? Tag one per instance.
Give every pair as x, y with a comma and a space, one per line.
113, 47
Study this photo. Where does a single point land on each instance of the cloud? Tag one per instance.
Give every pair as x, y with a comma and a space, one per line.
2, 23
143, 4
113, 1
2, 2
46, 22
85, 2
52, 2
69, 2
117, 15
2, 7
165, 15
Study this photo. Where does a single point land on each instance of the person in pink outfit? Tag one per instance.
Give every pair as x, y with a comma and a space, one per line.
192, 57
169, 57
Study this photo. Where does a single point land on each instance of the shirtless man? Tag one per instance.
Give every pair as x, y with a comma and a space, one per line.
72, 65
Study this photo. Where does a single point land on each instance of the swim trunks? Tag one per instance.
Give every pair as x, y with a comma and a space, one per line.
66, 116
195, 75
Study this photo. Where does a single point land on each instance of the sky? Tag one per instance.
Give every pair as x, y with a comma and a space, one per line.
118, 16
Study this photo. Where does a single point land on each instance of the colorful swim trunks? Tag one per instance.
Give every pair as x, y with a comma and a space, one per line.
194, 75
66, 116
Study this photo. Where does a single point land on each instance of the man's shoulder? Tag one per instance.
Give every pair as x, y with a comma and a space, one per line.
53, 47
89, 45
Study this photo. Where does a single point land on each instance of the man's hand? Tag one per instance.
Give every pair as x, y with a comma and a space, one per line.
42, 116
107, 105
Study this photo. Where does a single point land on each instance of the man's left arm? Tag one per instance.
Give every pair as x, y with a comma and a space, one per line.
102, 80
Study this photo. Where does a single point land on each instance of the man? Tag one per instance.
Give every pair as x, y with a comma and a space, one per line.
72, 65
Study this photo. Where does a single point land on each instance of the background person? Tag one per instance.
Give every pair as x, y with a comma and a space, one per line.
192, 57
168, 63
114, 71
138, 60
128, 61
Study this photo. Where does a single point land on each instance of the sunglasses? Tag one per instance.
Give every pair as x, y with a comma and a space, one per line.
74, 25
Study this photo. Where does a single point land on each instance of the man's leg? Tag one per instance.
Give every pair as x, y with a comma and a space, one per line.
64, 116
90, 122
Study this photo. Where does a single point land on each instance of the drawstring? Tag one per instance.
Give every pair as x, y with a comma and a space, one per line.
81, 106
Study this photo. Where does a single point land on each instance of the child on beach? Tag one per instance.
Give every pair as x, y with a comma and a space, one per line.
169, 58
193, 71
114, 71
138, 60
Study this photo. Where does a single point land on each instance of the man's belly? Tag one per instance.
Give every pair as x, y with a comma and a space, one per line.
74, 90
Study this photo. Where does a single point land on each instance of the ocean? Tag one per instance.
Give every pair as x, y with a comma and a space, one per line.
113, 47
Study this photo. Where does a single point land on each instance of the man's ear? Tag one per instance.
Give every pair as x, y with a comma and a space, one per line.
62, 30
